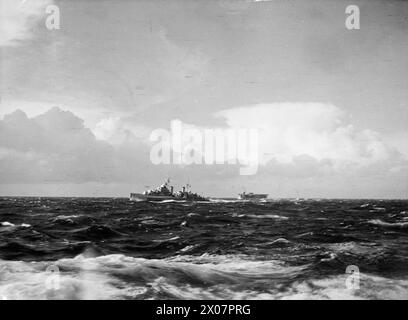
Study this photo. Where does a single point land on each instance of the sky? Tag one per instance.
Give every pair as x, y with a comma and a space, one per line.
79, 103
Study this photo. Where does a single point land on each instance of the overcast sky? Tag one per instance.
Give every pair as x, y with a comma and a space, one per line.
333, 103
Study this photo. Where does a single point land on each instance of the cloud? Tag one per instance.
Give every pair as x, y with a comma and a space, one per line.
309, 147
171, 71
117, 131
54, 146
295, 139
57, 147
316, 130
18, 18
298, 139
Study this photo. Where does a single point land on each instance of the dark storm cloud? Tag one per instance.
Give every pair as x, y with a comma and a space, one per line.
54, 146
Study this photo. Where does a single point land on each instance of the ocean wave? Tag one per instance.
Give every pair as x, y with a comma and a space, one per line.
224, 200
266, 216
378, 209
9, 224
278, 241
166, 240
72, 216
193, 214
188, 248
31, 281
96, 232
381, 223
182, 277
150, 222
67, 218
335, 288
124, 277
170, 201
241, 250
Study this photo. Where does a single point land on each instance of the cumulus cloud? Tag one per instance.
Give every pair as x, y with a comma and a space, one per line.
57, 147
117, 131
316, 130
54, 146
299, 142
18, 17
298, 139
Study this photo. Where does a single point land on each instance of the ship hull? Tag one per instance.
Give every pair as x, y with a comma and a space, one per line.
253, 197
144, 197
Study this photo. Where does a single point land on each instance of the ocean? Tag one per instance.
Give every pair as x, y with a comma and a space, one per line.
111, 248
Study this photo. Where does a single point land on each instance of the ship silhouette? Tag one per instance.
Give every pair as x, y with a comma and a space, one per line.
252, 196
166, 192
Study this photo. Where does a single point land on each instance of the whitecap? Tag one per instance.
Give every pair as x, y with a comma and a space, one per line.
266, 216
279, 240
378, 209
63, 217
192, 214
165, 240
89, 277
170, 201
184, 277
7, 224
188, 248
379, 222
335, 288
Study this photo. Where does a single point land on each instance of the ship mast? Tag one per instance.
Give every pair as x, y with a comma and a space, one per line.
188, 185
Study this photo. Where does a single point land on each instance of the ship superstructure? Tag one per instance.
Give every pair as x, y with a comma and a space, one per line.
166, 192
252, 196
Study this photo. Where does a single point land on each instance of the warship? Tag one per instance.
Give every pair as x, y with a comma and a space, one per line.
166, 192
252, 196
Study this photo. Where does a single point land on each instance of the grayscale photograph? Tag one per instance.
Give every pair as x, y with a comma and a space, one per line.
217, 150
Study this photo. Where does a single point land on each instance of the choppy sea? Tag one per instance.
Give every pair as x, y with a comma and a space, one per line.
111, 248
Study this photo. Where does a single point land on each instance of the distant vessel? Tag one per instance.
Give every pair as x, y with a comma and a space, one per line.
252, 196
166, 192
